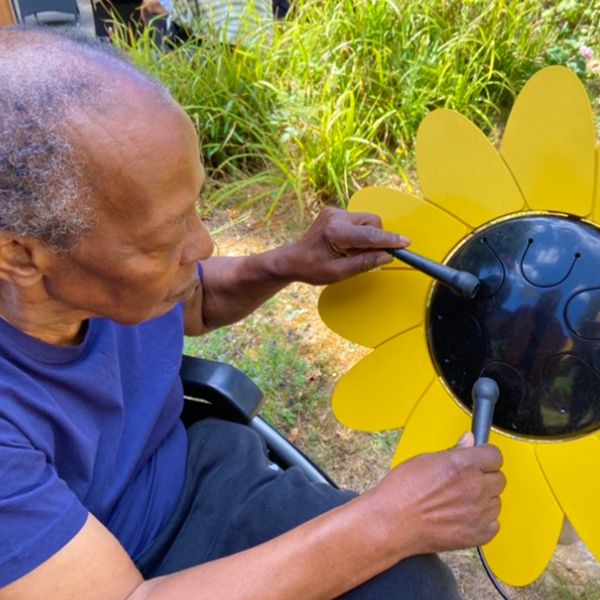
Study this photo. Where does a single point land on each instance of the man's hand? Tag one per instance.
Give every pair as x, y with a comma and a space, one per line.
339, 244
450, 499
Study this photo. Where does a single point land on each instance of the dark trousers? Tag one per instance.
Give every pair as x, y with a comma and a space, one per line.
234, 499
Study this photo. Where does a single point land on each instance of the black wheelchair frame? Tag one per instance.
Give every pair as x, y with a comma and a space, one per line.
215, 389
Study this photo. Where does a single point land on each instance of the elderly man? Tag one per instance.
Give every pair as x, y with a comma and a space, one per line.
104, 264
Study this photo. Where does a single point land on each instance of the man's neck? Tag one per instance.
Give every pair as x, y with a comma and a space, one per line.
56, 334
47, 320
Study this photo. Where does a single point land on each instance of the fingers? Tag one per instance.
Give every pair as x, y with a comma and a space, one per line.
356, 231
494, 484
466, 440
491, 530
338, 245
487, 458
364, 218
350, 236
490, 458
490, 522
361, 263
454, 502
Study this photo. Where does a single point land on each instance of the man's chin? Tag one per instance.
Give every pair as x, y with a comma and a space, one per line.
182, 296
142, 317
167, 305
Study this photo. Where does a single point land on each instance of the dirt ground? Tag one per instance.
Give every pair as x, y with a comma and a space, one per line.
359, 460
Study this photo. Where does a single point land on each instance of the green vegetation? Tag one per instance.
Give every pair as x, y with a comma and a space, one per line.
331, 101
273, 358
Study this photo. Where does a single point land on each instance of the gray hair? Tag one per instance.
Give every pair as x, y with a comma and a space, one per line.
46, 78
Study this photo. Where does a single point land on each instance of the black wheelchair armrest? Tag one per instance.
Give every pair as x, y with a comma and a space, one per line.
218, 390
214, 389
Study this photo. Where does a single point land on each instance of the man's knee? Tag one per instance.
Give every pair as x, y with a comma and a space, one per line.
423, 577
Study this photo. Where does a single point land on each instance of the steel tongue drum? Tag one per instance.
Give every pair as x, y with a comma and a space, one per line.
533, 327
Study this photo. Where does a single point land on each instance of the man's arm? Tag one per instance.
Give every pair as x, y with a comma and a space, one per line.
338, 244
431, 503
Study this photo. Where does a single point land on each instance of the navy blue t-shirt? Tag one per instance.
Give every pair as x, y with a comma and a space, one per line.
89, 428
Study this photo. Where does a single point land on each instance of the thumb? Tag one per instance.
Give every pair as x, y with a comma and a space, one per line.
466, 441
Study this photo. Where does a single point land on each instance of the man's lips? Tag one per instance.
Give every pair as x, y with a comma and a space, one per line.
185, 293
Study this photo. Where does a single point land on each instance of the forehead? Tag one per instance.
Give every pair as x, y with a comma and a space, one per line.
142, 161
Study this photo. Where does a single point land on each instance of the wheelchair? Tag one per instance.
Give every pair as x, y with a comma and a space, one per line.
215, 389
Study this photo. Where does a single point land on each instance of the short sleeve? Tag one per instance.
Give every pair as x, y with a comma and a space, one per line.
39, 514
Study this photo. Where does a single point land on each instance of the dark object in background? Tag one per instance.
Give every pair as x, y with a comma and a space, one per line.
33, 7
169, 33
280, 8
106, 11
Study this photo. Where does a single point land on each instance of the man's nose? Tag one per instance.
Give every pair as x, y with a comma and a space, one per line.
199, 244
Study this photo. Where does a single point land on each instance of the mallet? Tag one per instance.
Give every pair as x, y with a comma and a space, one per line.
460, 282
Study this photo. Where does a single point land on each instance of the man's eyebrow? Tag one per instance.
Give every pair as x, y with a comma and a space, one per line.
176, 218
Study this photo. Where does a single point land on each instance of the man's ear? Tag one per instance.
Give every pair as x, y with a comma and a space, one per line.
19, 260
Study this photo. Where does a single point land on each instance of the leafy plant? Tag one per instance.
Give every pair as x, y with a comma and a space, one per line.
272, 358
331, 99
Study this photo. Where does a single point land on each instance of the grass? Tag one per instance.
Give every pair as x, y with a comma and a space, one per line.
272, 357
331, 99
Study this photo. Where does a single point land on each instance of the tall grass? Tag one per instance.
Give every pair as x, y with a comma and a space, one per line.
331, 101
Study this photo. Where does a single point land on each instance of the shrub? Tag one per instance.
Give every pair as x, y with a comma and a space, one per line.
331, 101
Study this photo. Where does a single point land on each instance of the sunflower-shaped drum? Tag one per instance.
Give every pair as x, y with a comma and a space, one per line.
523, 219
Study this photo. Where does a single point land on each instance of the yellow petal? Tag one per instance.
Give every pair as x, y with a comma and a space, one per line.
462, 172
530, 520
436, 424
549, 143
433, 232
380, 391
373, 307
572, 470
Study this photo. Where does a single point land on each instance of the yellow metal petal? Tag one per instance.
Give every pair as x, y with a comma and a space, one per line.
380, 391
530, 520
433, 232
373, 307
549, 143
572, 469
436, 424
462, 172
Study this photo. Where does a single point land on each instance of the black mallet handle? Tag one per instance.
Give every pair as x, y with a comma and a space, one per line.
460, 282
485, 394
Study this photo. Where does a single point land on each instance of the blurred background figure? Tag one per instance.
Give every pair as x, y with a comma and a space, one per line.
233, 21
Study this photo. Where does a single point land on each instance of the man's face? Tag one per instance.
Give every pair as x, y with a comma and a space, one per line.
140, 259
